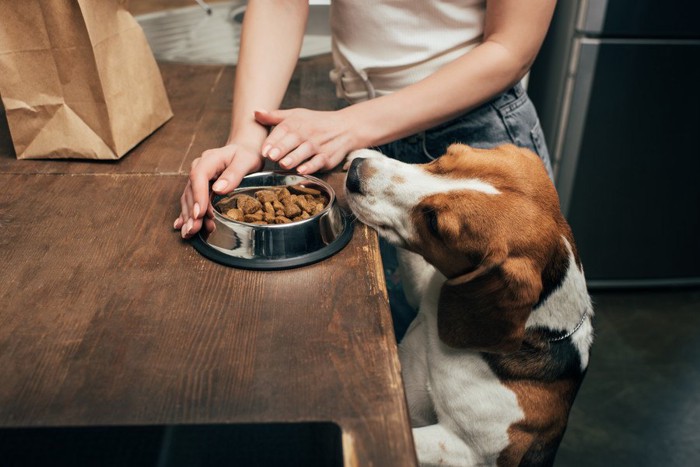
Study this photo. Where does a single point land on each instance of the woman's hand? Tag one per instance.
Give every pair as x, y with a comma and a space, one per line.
306, 139
228, 165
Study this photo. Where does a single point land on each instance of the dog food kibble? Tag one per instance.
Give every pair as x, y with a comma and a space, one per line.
273, 205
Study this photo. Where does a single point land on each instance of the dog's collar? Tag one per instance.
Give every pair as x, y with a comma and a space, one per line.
566, 335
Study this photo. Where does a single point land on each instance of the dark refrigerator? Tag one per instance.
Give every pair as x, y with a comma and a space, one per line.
617, 86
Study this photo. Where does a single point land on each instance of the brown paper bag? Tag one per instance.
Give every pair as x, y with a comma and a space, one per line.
77, 78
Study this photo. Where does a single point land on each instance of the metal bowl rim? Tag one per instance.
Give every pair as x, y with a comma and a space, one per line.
329, 190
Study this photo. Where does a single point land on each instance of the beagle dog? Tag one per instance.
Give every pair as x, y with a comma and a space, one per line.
496, 355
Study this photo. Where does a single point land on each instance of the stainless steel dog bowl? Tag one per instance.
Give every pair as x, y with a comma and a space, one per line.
277, 246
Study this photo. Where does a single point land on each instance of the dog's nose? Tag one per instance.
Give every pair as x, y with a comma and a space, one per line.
352, 180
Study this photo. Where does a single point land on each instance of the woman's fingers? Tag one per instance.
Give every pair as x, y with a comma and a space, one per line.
230, 178
208, 167
225, 165
245, 162
306, 139
187, 223
318, 162
191, 227
267, 118
184, 208
286, 136
270, 119
281, 143
177, 225
302, 152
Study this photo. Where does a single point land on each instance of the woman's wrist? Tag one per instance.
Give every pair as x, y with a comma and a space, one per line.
251, 136
361, 132
376, 121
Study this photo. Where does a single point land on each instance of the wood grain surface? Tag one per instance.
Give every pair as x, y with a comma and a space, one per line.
107, 317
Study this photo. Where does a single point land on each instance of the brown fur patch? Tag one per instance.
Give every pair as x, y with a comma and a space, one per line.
514, 238
489, 312
523, 220
535, 439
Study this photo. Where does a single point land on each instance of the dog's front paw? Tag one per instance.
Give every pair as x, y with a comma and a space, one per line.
361, 153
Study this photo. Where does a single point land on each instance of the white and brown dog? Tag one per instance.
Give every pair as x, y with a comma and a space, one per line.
499, 348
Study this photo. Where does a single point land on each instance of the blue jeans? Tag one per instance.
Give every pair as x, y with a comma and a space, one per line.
508, 118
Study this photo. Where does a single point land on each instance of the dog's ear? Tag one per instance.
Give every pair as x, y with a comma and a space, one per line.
488, 311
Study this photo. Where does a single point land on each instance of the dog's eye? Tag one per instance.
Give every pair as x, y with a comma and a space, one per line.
431, 220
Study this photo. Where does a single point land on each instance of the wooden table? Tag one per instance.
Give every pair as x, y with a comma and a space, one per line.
108, 318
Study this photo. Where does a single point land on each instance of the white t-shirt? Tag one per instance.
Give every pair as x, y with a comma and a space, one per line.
380, 46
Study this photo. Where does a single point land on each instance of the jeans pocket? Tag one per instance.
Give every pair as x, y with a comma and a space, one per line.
525, 130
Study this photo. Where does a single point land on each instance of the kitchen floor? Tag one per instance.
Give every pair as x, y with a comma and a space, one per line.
640, 402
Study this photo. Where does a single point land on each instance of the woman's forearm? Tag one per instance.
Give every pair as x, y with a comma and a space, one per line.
514, 31
457, 88
270, 43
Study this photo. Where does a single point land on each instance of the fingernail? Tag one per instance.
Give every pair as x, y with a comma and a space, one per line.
219, 185
176, 224
196, 210
265, 149
187, 228
274, 153
301, 169
285, 161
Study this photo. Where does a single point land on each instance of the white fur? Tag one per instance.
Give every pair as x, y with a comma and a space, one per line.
564, 307
468, 408
415, 273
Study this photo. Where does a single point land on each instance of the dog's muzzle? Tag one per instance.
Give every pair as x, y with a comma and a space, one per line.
352, 180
